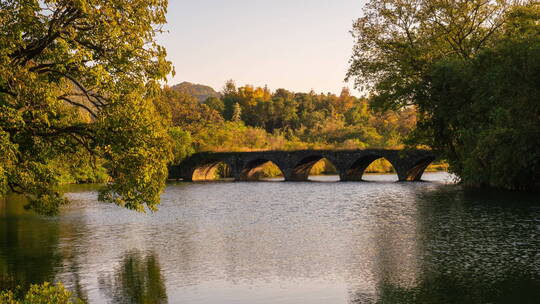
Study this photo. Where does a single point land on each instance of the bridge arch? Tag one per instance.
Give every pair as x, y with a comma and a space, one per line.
414, 173
356, 170
209, 170
253, 169
301, 169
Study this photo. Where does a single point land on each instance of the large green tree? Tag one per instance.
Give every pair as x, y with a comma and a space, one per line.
484, 113
470, 68
79, 78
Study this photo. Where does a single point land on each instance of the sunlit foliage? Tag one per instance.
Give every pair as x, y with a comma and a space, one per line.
45, 293
78, 81
253, 118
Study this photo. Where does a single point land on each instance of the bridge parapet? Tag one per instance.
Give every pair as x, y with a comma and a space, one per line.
296, 165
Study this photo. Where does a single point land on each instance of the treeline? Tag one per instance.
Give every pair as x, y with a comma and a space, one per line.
253, 118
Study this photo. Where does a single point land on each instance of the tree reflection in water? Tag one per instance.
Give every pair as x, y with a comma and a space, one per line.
472, 247
516, 287
137, 280
28, 245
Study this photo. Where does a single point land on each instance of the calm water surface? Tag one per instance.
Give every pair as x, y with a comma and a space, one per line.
277, 242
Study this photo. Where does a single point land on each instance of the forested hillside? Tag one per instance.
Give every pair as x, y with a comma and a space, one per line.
254, 118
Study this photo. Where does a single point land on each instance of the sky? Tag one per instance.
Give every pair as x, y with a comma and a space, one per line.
298, 45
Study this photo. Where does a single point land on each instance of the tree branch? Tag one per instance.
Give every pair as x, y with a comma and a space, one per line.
6, 91
78, 105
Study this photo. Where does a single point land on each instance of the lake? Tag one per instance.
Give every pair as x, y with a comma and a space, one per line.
285, 242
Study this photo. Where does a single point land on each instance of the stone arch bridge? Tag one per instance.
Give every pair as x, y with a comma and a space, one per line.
296, 165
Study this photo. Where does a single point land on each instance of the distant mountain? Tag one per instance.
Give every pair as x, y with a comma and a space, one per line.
199, 91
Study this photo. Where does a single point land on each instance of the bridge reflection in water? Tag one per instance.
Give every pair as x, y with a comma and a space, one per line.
296, 165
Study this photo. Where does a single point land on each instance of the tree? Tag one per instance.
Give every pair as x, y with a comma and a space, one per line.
485, 112
187, 112
230, 97
237, 113
470, 69
216, 104
80, 77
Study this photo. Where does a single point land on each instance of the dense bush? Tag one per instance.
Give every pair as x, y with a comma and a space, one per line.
45, 293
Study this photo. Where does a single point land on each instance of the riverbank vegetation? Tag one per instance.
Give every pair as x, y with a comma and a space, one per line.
78, 80
471, 69
44, 293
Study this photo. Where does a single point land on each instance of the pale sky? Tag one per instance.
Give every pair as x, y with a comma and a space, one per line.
292, 44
